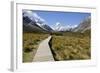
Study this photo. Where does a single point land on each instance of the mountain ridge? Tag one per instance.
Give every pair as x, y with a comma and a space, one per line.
84, 25
34, 23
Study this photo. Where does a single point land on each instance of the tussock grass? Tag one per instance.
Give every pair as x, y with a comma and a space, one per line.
30, 45
71, 46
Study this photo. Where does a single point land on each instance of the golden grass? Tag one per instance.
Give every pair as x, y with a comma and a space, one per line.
30, 45
74, 47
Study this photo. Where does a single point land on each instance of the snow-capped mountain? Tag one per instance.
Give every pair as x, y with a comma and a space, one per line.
30, 26
31, 17
59, 27
33, 22
84, 25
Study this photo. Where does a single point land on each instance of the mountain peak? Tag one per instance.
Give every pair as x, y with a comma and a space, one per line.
60, 27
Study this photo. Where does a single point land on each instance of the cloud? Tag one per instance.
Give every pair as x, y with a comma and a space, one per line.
29, 12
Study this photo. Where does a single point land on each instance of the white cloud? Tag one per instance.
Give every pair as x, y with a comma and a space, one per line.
29, 12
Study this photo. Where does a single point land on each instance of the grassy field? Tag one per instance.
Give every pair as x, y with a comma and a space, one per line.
30, 45
71, 46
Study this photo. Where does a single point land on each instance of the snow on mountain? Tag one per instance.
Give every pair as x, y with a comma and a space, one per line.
33, 16
37, 19
84, 25
60, 27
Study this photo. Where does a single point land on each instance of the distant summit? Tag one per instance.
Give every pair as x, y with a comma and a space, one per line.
60, 27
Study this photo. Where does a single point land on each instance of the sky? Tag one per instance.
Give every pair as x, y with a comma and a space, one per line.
64, 18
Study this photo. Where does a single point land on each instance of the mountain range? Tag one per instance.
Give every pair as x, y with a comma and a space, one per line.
60, 27
34, 23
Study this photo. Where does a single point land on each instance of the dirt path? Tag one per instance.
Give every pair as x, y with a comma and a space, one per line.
44, 53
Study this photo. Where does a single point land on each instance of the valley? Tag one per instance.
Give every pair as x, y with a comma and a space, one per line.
62, 38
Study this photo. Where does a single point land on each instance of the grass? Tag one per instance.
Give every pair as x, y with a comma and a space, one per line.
64, 45
71, 46
30, 45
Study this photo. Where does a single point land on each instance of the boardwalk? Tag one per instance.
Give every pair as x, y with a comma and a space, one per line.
44, 53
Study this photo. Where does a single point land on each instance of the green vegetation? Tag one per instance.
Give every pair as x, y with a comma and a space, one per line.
30, 45
71, 46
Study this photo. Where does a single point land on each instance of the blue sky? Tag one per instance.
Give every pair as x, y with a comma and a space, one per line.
65, 18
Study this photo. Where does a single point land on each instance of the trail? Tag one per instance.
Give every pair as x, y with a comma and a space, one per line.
43, 53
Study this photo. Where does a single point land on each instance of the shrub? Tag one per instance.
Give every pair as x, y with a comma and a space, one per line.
27, 49
71, 47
